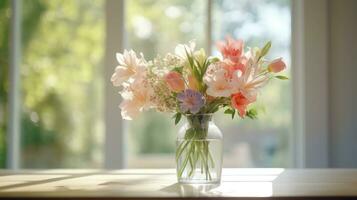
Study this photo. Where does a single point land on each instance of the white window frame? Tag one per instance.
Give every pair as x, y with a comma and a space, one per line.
13, 132
115, 137
310, 83
309, 78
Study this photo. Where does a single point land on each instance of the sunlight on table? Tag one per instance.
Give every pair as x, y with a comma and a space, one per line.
131, 182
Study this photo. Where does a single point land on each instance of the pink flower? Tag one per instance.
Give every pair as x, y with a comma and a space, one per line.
277, 65
240, 102
218, 80
251, 80
232, 67
175, 81
231, 49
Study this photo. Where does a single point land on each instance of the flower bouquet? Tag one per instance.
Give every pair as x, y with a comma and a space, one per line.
191, 84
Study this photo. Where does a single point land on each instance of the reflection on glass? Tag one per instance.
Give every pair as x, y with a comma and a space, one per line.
262, 142
157, 27
61, 82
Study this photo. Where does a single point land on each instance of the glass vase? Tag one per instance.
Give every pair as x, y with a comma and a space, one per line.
199, 151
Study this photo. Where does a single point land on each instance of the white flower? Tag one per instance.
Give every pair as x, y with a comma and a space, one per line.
129, 67
181, 49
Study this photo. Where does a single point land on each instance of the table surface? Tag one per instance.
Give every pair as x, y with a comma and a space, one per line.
161, 183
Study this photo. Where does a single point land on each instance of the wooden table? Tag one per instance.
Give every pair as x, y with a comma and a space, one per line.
161, 183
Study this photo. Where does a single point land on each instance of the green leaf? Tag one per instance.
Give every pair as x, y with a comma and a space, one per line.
177, 117
215, 109
178, 69
192, 65
281, 77
190, 60
265, 49
198, 68
252, 114
228, 111
204, 68
214, 60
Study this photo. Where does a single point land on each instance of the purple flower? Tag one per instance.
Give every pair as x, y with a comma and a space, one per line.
190, 100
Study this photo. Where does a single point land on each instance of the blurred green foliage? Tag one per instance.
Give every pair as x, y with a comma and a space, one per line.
4, 54
61, 82
157, 26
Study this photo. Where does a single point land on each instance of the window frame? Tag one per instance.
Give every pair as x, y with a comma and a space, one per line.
115, 137
309, 48
13, 123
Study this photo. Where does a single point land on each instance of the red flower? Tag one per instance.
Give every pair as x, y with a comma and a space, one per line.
240, 102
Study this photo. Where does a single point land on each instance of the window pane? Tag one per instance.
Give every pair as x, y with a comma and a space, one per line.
263, 142
62, 114
4, 66
157, 27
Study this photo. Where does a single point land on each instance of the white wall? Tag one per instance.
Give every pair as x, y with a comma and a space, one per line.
342, 83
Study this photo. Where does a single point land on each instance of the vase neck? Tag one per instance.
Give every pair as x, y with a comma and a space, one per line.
199, 121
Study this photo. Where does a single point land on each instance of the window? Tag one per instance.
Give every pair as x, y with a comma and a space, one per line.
62, 83
157, 27
263, 142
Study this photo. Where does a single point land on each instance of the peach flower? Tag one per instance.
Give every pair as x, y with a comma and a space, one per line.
231, 49
136, 98
277, 65
192, 83
175, 81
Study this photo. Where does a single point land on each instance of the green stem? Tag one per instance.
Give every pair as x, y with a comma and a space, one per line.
206, 168
180, 149
184, 163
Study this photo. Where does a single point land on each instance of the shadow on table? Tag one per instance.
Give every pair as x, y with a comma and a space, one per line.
185, 190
